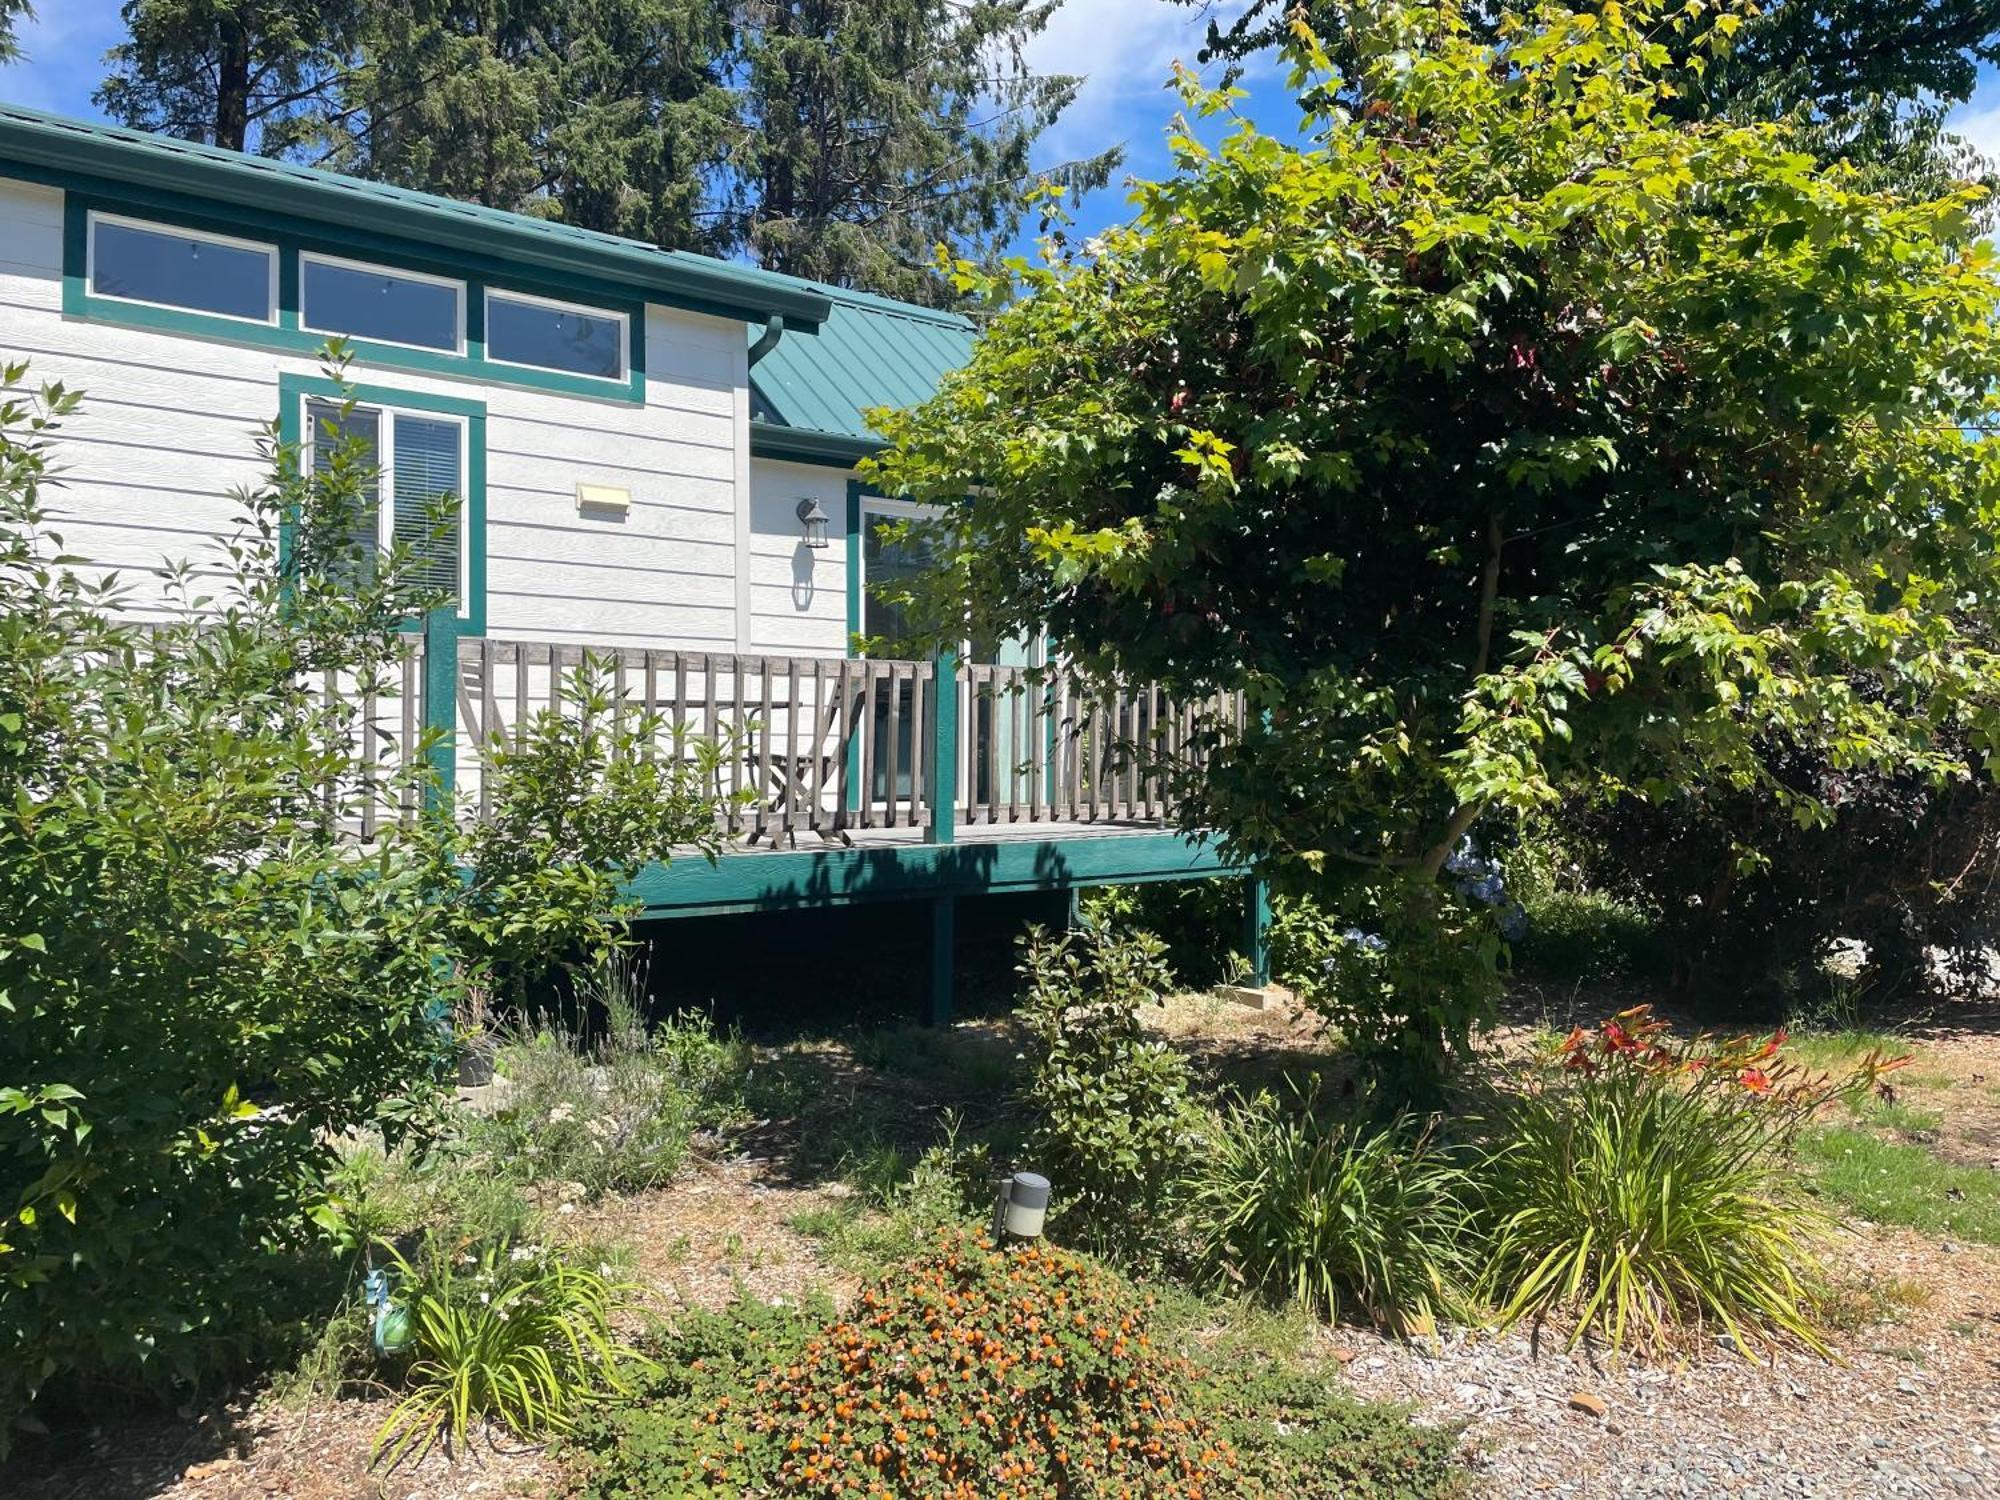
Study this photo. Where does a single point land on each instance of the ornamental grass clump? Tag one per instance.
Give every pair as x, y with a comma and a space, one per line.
1645, 1188
967, 1372
509, 1335
1334, 1215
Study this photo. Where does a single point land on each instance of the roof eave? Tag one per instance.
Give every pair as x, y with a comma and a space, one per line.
712, 284
801, 445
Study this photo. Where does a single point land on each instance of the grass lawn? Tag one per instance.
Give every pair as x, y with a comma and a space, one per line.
1892, 1182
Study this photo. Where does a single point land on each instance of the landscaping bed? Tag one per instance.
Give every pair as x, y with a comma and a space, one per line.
817, 1191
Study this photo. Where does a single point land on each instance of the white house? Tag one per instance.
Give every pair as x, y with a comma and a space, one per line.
647, 447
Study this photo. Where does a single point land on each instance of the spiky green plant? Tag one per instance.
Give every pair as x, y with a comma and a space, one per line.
1335, 1215
507, 1334
1645, 1186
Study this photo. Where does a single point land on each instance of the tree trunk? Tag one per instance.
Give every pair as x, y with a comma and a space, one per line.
232, 85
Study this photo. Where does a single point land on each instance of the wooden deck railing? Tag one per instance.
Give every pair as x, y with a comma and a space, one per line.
820, 744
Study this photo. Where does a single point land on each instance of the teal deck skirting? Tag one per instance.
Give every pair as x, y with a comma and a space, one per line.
843, 877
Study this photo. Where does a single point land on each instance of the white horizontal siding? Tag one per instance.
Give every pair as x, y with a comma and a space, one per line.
798, 594
170, 425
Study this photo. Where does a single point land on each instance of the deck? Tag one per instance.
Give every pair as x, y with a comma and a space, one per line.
845, 780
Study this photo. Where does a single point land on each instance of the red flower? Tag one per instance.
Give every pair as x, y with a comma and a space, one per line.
1755, 1080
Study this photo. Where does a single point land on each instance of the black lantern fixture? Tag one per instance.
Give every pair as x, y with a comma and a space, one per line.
813, 520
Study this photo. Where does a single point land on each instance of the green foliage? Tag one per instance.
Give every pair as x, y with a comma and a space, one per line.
582, 798
618, 1117
1199, 921
840, 142
1297, 1436
1574, 929
1294, 1434
1503, 440
967, 1371
640, 1447
1332, 1214
1749, 901
12, 11
203, 988
1114, 1127
173, 1102
504, 1333
1644, 1186
1409, 983
236, 73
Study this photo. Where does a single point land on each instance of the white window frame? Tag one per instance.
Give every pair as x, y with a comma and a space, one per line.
177, 231
624, 333
385, 481
882, 507
397, 273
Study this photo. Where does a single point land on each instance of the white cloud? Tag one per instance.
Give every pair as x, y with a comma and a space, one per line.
1125, 49
1978, 119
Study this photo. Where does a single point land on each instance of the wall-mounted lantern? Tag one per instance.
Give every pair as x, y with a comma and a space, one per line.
1022, 1204
812, 519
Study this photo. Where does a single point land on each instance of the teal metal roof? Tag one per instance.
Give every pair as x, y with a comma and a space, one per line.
60, 149
869, 352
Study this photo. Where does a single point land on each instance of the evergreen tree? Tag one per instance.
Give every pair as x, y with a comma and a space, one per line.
829, 138
610, 114
236, 73
879, 128
10, 12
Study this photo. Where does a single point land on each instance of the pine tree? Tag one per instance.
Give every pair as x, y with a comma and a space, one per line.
609, 114
237, 73
879, 128
10, 12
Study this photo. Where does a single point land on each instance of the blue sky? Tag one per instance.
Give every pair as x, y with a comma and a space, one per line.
1125, 49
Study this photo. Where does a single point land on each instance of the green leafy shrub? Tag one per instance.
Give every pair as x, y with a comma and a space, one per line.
581, 799
1646, 1185
504, 1333
965, 1372
1408, 982
1297, 1436
1113, 1125
1332, 1214
203, 988
642, 1446
206, 985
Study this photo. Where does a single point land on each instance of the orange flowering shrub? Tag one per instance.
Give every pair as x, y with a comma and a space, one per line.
972, 1373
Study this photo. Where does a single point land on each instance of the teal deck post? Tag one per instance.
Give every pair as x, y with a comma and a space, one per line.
944, 925
441, 700
1257, 928
942, 826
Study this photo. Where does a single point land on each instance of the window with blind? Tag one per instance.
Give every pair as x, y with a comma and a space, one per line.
417, 498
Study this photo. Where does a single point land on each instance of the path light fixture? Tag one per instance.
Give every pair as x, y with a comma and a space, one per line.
1020, 1207
812, 518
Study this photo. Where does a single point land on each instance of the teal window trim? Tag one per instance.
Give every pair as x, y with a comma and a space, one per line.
856, 490
295, 390
856, 792
287, 336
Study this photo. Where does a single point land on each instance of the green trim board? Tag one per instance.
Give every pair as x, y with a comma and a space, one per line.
801, 445
293, 392
843, 877
42, 147
286, 336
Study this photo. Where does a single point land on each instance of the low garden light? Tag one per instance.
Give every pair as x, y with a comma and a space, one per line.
812, 519
1020, 1206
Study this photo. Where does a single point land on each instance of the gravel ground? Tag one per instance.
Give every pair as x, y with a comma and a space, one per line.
1913, 1411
